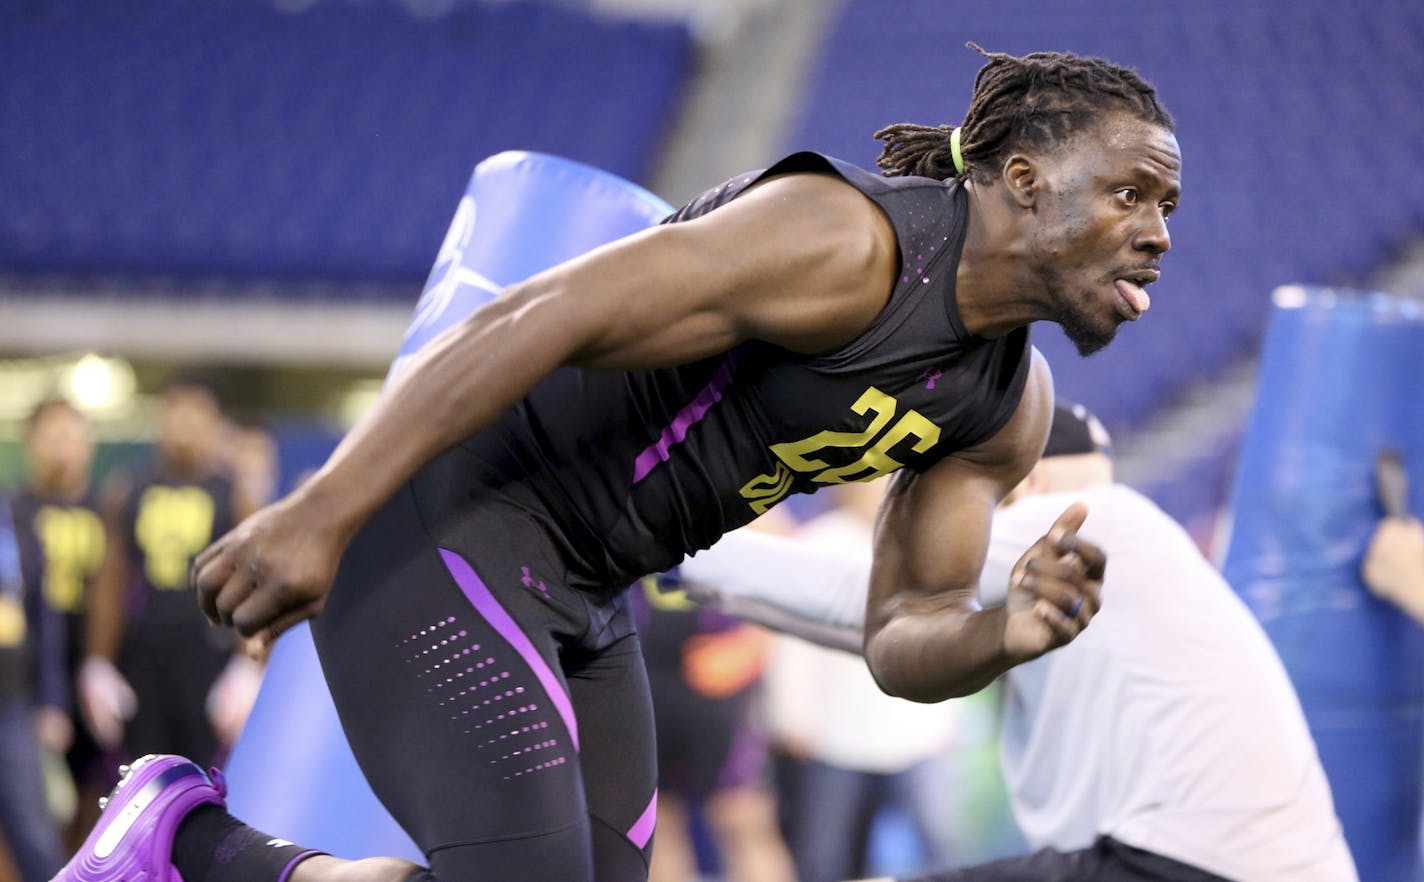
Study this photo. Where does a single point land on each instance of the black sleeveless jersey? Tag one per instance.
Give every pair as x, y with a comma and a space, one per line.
166, 522
71, 537
630, 471
69, 542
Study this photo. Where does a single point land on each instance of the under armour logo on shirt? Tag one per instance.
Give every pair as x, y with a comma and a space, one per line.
929, 376
528, 581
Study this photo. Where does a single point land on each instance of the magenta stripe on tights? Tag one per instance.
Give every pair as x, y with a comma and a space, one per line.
485, 604
642, 829
689, 416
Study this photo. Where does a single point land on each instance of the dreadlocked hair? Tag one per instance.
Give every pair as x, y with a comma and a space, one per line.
1035, 101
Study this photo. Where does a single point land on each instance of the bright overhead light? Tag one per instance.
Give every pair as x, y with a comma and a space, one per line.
97, 384
357, 399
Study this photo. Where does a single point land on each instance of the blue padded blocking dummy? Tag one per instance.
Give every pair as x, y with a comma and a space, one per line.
1341, 378
292, 773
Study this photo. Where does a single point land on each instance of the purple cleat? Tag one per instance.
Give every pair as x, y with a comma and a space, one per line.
133, 840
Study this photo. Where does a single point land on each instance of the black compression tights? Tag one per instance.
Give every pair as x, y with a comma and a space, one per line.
500, 715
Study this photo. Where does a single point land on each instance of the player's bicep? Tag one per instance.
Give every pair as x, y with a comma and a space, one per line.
934, 530
930, 541
804, 262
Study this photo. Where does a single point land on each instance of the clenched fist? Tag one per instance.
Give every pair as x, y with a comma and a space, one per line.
1054, 590
271, 572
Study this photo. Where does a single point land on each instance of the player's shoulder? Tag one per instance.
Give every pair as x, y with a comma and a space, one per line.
1132, 506
812, 221
1014, 445
822, 188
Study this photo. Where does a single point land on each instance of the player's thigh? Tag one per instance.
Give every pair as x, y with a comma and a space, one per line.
445, 671
609, 688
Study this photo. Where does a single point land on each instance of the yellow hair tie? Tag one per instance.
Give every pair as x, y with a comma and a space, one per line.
954, 152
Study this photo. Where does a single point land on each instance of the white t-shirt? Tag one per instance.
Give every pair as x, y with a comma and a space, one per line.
1170, 723
826, 701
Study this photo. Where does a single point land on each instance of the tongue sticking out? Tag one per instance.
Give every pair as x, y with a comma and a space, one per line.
1134, 295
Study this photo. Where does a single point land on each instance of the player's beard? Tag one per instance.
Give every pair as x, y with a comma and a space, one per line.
1086, 327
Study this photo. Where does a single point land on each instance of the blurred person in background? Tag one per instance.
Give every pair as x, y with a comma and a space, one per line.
1168, 743
704, 671
846, 752
154, 673
253, 460
804, 325
57, 514
1165, 743
31, 674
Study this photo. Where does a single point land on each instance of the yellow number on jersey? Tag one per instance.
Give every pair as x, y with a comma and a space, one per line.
764, 491
73, 543
877, 460
12, 623
174, 523
795, 454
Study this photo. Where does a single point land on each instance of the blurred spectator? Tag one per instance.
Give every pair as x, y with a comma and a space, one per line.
1166, 741
1394, 564
31, 648
703, 670
252, 460
57, 515
149, 680
847, 752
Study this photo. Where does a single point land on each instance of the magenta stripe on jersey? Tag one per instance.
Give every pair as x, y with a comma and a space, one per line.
686, 418
642, 830
485, 604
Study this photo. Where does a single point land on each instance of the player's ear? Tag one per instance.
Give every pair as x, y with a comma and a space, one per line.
1021, 176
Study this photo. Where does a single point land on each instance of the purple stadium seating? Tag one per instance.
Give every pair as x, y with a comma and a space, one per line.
230, 139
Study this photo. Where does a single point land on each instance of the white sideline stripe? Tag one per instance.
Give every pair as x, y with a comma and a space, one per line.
317, 333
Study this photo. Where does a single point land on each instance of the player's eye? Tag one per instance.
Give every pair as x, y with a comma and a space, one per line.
1127, 196
1167, 209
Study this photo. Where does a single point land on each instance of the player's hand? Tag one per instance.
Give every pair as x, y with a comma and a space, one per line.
1394, 563
54, 729
271, 571
1054, 589
232, 696
106, 700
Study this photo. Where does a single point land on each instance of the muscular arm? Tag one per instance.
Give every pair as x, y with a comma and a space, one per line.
771, 265
105, 698
802, 261
926, 638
